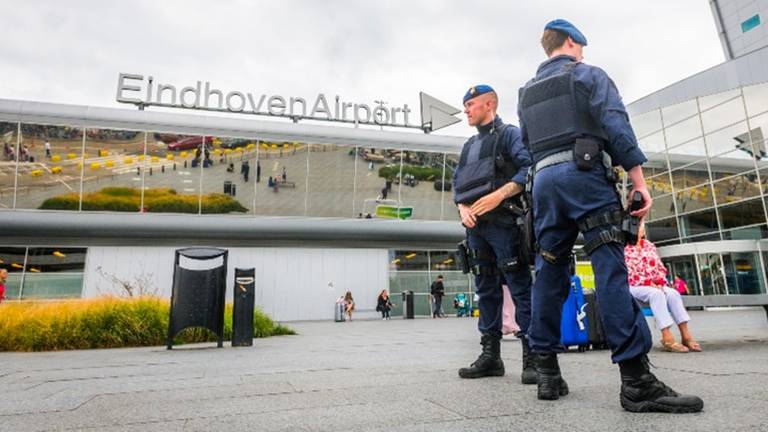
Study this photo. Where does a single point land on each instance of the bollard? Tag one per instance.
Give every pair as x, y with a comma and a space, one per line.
162, 169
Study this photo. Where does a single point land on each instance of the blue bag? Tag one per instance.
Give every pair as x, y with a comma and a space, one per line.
574, 326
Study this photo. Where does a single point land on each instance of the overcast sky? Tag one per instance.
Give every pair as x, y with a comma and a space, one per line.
72, 52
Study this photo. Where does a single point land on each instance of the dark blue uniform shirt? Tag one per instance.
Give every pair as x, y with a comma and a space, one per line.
510, 145
606, 109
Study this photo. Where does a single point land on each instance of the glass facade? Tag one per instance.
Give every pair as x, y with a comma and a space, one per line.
708, 176
71, 168
43, 272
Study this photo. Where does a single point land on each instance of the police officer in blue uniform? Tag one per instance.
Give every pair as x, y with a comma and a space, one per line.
576, 128
487, 184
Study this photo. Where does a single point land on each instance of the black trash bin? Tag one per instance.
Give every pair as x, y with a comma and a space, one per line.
242, 312
407, 304
228, 187
199, 286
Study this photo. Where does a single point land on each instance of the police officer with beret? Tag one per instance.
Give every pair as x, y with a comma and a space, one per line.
576, 128
490, 175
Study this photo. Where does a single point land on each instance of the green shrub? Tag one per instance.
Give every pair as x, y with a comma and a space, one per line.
106, 322
158, 200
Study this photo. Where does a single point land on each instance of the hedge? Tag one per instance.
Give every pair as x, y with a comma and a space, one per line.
419, 172
106, 322
158, 200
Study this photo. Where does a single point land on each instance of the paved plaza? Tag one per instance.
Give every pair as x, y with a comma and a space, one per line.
373, 375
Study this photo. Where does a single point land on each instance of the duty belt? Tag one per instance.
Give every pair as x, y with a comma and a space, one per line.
553, 159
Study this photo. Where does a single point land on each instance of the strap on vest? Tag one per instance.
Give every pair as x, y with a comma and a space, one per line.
611, 235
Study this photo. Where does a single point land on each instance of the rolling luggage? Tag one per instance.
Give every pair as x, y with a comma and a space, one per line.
596, 331
574, 323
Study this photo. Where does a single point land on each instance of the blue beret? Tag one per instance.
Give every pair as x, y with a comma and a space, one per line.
564, 26
476, 91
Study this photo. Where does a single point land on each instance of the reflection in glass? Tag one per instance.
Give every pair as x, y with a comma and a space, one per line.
661, 230
683, 132
646, 124
49, 179
282, 190
685, 268
658, 184
113, 178
694, 198
675, 113
13, 260
712, 277
728, 139
741, 214
9, 136
652, 143
332, 181
662, 207
723, 115
443, 261
691, 175
736, 188
408, 260
688, 152
756, 98
378, 169
167, 190
698, 223
54, 273
232, 170
743, 273
707, 102
754, 232
422, 185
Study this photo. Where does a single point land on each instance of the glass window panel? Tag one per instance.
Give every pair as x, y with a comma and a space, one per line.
443, 261
378, 168
743, 273
747, 233
112, 175
758, 133
662, 207
169, 191
659, 184
12, 259
729, 164
421, 171
741, 214
408, 260
712, 275
736, 188
707, 102
652, 143
332, 181
40, 178
647, 123
9, 136
656, 161
232, 175
685, 268
728, 139
688, 152
756, 98
667, 242
694, 198
723, 115
698, 223
674, 113
683, 132
416, 281
692, 175
282, 190
450, 212
661, 230
54, 273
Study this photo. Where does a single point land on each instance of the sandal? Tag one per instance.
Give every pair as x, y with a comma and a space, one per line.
692, 345
674, 347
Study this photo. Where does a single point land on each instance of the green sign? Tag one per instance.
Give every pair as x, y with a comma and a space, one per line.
394, 212
751, 23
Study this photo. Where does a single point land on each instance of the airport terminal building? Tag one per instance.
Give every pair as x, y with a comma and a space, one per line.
95, 200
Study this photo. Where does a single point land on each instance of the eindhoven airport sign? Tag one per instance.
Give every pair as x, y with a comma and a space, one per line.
144, 91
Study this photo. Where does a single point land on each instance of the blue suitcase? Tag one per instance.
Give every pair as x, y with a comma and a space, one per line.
573, 325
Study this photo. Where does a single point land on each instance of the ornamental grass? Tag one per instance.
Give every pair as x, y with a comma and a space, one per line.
105, 322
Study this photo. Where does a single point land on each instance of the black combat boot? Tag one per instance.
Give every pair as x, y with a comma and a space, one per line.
489, 363
551, 383
641, 391
529, 371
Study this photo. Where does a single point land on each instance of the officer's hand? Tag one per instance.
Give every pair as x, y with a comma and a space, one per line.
467, 217
647, 201
487, 203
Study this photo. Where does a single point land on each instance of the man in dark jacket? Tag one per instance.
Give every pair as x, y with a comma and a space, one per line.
438, 291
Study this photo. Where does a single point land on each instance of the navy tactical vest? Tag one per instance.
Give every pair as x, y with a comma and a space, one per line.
483, 169
556, 113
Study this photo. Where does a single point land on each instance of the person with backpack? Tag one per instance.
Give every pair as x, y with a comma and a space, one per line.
437, 290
